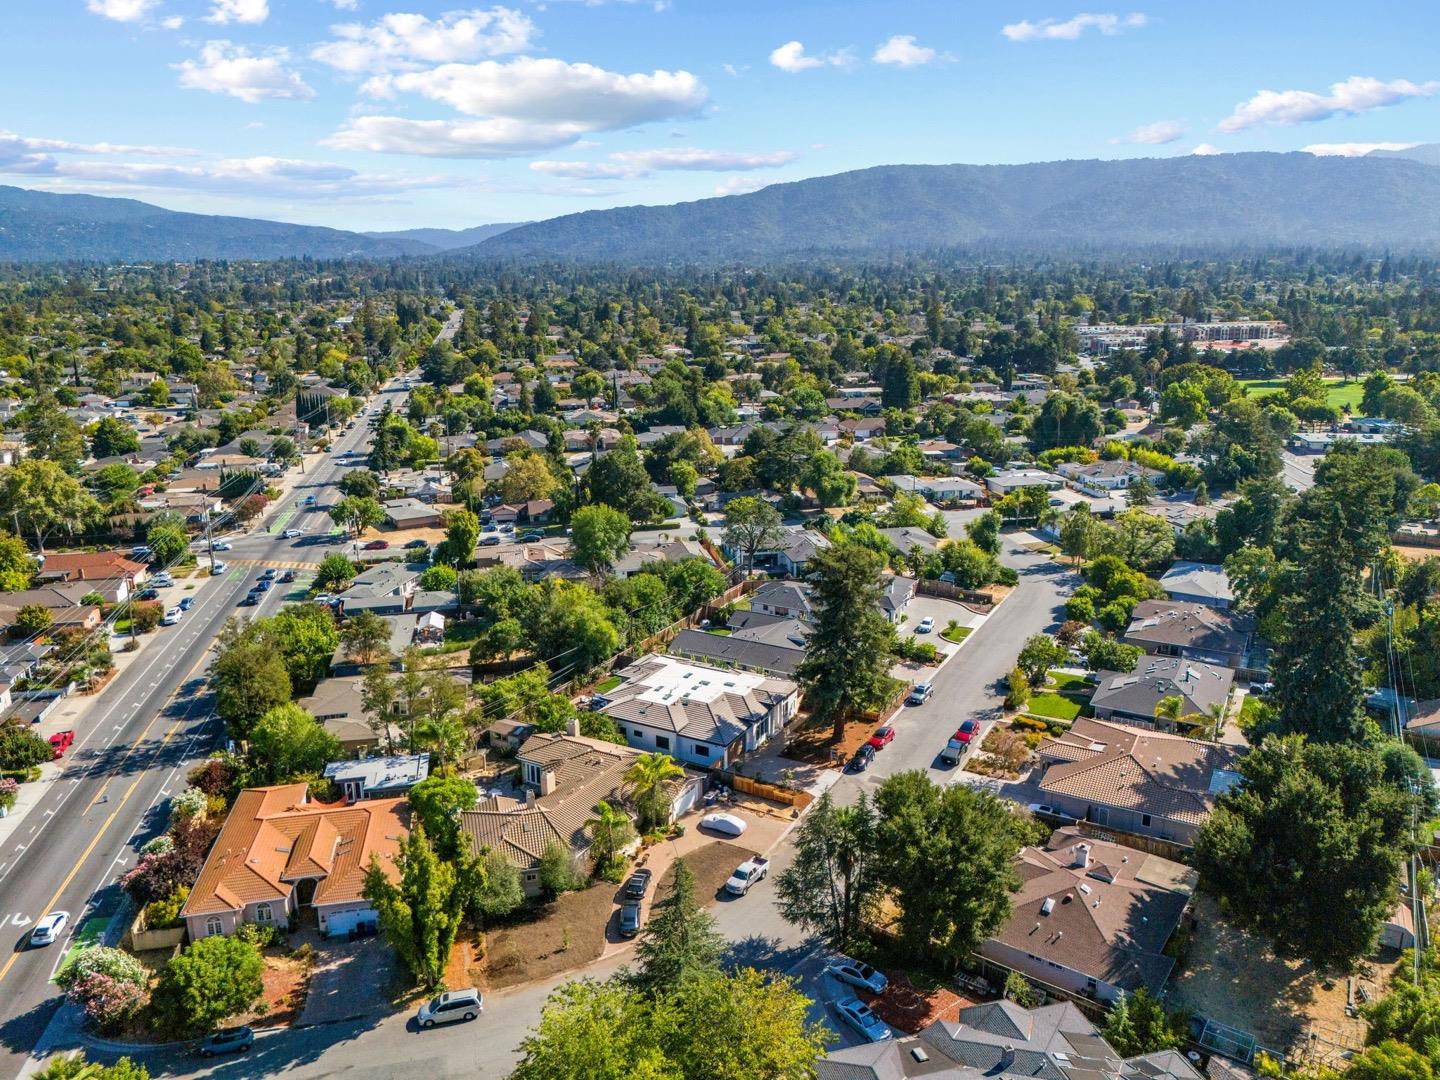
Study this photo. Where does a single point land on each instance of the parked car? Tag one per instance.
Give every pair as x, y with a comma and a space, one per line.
1262, 688
531, 536
59, 743
862, 759
925, 625
1046, 810
860, 1017
919, 693
858, 973
630, 918
639, 883
287, 577
171, 617
377, 545
148, 594
451, 1006
235, 1040
48, 929
261, 586
291, 534
967, 730
490, 527
746, 874
161, 581
217, 568
251, 599
725, 824
186, 603
324, 598
309, 500
883, 737
140, 551
268, 574
489, 541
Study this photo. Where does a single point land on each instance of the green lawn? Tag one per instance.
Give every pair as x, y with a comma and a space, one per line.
721, 631
1055, 706
1337, 392
957, 635
608, 685
1065, 682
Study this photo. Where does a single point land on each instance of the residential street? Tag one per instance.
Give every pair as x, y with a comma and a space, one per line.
965, 687
130, 753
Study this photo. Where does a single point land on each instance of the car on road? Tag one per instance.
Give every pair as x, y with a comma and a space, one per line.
967, 730
377, 545
489, 541
59, 743
48, 929
630, 918
251, 599
451, 1006
862, 759
217, 568
417, 543
725, 824
261, 586
291, 534
309, 500
925, 625
747, 874
171, 617
883, 737
140, 551
186, 603
287, 577
919, 693
221, 545
490, 527
858, 973
234, 1040
530, 537
268, 574
639, 883
860, 1017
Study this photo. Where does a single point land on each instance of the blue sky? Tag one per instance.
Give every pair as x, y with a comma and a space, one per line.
399, 113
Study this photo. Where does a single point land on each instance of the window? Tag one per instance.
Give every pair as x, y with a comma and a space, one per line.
213, 926
263, 915
702, 751
1145, 820
662, 742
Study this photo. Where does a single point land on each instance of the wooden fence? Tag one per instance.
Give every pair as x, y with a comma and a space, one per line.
760, 789
1151, 845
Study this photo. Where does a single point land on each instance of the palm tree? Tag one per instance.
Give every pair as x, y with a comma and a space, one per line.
610, 831
1170, 708
647, 778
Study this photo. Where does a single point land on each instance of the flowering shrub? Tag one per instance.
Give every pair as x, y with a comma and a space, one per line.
9, 792
106, 1001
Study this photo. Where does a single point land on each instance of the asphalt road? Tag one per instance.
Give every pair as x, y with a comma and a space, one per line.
392, 1046
131, 750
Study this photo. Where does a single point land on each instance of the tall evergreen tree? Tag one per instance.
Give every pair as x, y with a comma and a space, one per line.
680, 941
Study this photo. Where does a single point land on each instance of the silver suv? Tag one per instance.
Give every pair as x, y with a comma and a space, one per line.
451, 1006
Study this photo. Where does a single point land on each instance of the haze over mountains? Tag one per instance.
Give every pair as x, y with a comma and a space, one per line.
1382, 199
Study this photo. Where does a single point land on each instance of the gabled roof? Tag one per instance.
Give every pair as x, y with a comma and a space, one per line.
695, 700
1138, 692
1188, 625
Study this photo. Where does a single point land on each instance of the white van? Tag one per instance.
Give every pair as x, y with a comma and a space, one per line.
451, 1006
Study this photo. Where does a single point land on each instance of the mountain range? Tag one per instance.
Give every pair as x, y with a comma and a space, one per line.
1383, 199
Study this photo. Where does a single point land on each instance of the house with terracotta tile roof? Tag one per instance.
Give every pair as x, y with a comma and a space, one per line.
1092, 917
113, 572
280, 852
1136, 781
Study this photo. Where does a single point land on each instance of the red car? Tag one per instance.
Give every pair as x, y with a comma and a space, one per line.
883, 737
60, 742
966, 731
377, 545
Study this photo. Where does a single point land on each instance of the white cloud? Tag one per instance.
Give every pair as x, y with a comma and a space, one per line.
491, 138
122, 10
1352, 149
11, 144
173, 22
1206, 150
1356, 94
251, 12
631, 164
1156, 134
901, 49
792, 57
345, 5
552, 92
224, 68
1071, 28
739, 185
407, 41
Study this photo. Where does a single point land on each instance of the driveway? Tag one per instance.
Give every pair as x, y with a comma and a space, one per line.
351, 980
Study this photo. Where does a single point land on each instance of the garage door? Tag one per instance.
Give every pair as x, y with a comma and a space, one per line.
340, 923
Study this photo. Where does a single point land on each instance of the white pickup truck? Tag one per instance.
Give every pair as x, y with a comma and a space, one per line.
746, 874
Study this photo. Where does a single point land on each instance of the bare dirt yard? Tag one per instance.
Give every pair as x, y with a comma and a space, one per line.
1233, 977
813, 742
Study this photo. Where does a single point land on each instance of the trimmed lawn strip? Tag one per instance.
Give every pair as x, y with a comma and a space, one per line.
958, 634
1056, 706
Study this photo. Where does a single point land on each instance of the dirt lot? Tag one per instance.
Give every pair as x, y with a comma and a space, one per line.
1235, 978
811, 742
572, 931
910, 1006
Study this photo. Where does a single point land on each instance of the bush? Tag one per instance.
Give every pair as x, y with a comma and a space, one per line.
145, 616
1017, 691
439, 578
1030, 723
9, 792
164, 914
20, 748
556, 873
216, 776
189, 804
108, 1003
102, 960
259, 936
213, 979
157, 845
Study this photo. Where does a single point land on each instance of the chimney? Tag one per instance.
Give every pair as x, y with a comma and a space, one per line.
1082, 856
1007, 1057
572, 727
529, 797
547, 782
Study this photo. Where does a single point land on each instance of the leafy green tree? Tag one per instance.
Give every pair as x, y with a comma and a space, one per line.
648, 778
1104, 653
75, 1067
1390, 1061
334, 570
751, 526
112, 438
594, 1031
600, 534
1017, 689
847, 668
51, 434
618, 479
679, 942
33, 620
462, 532
556, 871
43, 499
1039, 654
1067, 420
306, 636
570, 620
1139, 1024
985, 532
946, 854
831, 886
439, 578
499, 892
167, 539
288, 743
437, 803
250, 678
357, 513
421, 904
365, 636
1308, 846
215, 978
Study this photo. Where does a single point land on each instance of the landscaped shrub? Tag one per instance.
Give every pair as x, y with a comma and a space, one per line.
164, 914
109, 986
9, 793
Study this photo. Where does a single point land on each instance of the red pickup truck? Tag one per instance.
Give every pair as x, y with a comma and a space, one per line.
60, 742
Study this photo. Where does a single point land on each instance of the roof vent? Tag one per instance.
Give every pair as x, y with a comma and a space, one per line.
1048, 906
919, 1054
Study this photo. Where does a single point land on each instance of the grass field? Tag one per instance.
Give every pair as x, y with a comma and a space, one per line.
957, 635
1055, 706
1336, 392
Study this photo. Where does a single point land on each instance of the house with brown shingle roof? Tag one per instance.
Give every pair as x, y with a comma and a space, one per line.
279, 852
563, 778
1192, 631
1092, 917
1136, 781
